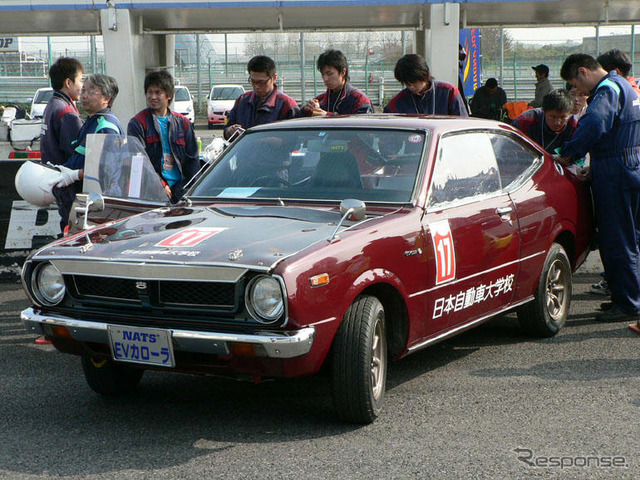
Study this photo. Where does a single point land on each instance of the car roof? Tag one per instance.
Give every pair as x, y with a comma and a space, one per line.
227, 85
436, 123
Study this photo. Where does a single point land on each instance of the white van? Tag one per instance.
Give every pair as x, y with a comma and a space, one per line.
39, 102
183, 102
219, 101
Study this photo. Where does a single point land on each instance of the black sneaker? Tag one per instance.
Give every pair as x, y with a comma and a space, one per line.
614, 314
604, 306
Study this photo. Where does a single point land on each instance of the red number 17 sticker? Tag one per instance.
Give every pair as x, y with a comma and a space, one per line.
189, 237
445, 253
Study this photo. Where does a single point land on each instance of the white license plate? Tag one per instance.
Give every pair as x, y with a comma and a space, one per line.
151, 346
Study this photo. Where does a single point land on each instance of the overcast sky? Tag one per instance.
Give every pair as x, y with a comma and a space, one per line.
562, 34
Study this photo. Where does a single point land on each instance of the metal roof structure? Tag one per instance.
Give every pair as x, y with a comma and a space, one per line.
56, 17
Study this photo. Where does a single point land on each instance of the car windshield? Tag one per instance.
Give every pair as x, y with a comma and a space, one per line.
43, 96
374, 165
182, 94
118, 167
226, 93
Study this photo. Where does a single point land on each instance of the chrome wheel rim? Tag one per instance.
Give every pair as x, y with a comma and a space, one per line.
557, 286
378, 359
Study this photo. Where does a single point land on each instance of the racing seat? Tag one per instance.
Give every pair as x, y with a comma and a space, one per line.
515, 108
336, 170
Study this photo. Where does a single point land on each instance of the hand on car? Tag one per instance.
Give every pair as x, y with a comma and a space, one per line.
313, 107
67, 177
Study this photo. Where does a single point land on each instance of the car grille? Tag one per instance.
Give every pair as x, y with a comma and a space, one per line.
159, 293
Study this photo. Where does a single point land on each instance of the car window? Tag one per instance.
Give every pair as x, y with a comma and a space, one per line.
376, 165
226, 93
182, 94
465, 167
514, 159
43, 96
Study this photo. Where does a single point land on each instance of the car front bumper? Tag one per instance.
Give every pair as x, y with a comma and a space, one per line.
216, 118
271, 344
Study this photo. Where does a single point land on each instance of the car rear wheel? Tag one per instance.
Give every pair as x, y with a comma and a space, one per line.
360, 362
109, 378
547, 314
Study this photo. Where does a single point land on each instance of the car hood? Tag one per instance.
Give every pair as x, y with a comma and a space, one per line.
250, 236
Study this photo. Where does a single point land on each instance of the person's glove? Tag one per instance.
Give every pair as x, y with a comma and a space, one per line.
67, 177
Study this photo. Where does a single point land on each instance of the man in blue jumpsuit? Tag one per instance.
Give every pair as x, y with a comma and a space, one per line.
98, 93
265, 103
610, 132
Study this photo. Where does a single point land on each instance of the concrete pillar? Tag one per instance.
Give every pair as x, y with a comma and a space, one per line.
129, 55
439, 43
124, 60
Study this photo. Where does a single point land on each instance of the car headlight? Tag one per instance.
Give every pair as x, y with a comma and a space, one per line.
47, 284
264, 299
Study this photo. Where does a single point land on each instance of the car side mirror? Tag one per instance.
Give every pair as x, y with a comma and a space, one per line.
357, 207
95, 203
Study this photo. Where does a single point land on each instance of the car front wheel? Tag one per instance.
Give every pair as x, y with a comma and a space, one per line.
360, 361
548, 312
109, 378
210, 125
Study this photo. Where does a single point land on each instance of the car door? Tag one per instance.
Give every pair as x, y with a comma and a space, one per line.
472, 227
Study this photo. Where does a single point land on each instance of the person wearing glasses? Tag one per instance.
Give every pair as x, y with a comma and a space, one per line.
168, 136
97, 96
264, 103
341, 97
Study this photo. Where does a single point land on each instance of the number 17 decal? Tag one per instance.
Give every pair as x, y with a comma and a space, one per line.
445, 253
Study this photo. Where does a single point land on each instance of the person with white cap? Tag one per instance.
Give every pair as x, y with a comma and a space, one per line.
543, 85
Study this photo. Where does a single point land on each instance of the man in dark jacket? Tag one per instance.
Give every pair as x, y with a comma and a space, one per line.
341, 97
61, 121
97, 96
422, 93
552, 125
488, 100
264, 104
168, 136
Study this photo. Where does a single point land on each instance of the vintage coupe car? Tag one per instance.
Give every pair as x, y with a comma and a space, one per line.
343, 242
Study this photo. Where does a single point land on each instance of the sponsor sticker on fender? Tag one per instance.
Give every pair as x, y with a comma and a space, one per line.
190, 237
444, 251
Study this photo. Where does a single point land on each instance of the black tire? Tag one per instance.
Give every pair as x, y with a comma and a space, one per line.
210, 126
548, 312
360, 362
109, 378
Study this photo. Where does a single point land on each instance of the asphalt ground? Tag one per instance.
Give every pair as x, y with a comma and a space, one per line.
490, 403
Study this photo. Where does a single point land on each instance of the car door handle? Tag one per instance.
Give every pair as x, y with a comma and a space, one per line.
504, 211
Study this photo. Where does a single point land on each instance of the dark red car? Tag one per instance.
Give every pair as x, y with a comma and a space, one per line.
342, 241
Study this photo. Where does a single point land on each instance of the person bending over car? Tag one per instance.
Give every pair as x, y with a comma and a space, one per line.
422, 93
168, 136
551, 125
